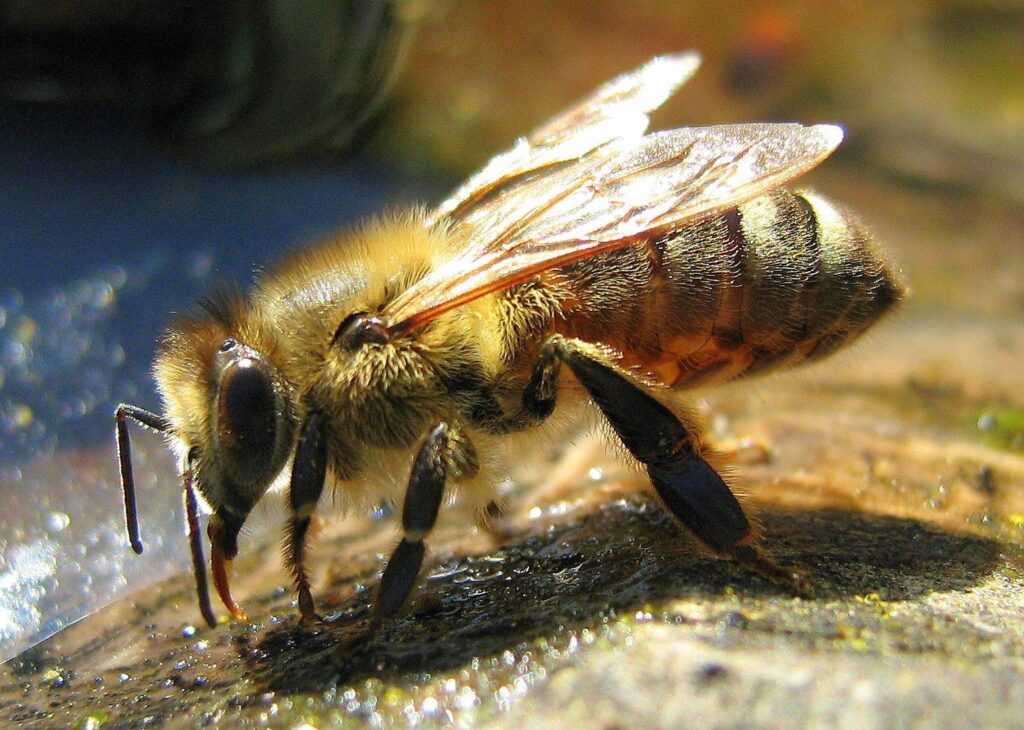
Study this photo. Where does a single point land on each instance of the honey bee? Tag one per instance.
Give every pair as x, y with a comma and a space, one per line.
411, 346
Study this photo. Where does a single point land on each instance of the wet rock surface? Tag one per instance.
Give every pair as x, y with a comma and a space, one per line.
596, 608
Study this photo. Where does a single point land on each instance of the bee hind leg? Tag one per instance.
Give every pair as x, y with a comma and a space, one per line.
688, 486
446, 453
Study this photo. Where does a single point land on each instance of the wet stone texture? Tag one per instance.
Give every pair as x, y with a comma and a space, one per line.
593, 607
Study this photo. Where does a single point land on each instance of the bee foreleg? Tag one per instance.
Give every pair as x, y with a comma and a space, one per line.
308, 473
124, 455
688, 486
445, 453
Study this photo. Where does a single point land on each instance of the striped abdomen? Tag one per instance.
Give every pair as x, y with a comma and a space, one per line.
781, 279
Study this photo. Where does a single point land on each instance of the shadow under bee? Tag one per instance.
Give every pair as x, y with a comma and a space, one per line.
619, 558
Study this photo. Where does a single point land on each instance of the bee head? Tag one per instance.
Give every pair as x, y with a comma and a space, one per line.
227, 403
231, 410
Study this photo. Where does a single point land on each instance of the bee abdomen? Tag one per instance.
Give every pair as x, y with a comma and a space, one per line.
857, 285
781, 279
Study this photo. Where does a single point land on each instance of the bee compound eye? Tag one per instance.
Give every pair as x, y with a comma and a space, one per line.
247, 417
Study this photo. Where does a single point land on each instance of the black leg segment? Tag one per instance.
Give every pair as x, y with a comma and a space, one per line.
195, 541
308, 473
124, 457
426, 485
699, 498
399, 577
446, 453
688, 486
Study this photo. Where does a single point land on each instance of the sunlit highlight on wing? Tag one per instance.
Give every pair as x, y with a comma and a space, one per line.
621, 193
616, 110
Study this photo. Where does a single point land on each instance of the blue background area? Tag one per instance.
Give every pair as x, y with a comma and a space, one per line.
82, 189
102, 236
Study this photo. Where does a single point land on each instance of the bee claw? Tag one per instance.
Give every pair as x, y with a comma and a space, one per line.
307, 609
800, 582
795, 578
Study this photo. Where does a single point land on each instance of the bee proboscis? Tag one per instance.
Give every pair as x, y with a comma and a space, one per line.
395, 358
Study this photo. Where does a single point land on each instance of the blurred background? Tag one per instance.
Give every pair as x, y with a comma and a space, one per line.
149, 150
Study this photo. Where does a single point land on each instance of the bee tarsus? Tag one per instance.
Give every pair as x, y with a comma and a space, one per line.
794, 578
124, 458
195, 540
445, 450
399, 577
307, 482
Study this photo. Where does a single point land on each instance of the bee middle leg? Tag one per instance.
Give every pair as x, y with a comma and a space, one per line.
688, 486
446, 453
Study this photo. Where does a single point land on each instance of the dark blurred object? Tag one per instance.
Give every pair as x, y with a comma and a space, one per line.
230, 82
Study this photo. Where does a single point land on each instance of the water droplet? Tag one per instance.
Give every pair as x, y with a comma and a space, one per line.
199, 266
11, 299
15, 417
56, 522
115, 355
101, 295
15, 353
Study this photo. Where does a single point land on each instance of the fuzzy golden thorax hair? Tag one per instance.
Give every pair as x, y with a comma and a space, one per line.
382, 395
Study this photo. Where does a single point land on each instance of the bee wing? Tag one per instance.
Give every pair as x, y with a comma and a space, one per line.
615, 111
625, 192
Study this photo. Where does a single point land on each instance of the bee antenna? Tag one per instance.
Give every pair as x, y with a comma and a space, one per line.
124, 456
224, 304
195, 541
